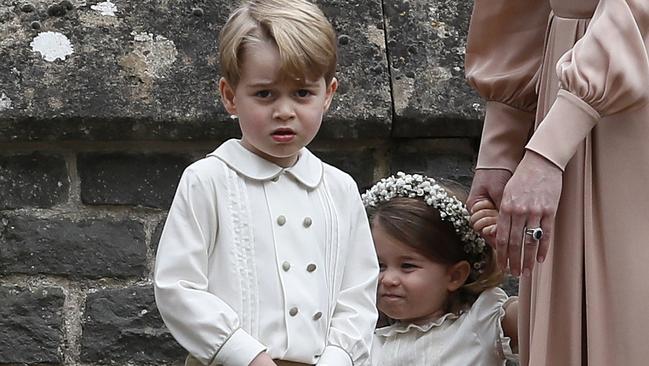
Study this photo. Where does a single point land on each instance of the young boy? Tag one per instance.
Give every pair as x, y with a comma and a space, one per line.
266, 257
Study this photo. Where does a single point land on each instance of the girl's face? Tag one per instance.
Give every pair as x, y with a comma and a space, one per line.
412, 288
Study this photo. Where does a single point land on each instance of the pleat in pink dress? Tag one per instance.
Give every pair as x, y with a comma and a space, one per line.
570, 81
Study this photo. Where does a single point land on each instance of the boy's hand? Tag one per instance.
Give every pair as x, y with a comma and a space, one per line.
263, 359
483, 220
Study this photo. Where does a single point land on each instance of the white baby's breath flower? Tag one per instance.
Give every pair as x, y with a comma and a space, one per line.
450, 208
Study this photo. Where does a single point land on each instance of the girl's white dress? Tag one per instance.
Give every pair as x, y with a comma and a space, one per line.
475, 337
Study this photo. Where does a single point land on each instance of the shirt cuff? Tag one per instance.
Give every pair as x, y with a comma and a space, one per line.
504, 135
334, 356
566, 125
239, 350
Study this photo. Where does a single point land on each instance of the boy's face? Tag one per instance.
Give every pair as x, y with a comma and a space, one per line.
277, 116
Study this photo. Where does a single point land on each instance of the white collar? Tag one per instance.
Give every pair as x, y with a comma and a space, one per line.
307, 169
400, 327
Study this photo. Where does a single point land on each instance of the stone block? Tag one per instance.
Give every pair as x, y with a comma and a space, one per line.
33, 180
357, 163
446, 158
30, 324
123, 325
87, 248
426, 47
148, 180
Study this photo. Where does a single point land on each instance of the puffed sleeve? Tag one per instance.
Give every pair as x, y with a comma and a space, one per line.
606, 72
355, 315
487, 314
503, 60
200, 321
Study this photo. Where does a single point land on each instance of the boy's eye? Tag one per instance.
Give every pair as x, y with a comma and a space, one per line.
302, 93
263, 94
381, 267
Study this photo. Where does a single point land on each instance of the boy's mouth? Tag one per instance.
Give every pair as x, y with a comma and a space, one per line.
283, 135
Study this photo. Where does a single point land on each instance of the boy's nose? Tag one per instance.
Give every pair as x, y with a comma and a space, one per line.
283, 111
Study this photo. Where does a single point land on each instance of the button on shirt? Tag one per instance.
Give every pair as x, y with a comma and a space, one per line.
254, 256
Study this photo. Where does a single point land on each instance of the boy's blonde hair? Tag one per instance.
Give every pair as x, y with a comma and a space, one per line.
304, 37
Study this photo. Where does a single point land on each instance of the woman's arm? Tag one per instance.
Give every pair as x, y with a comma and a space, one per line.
606, 72
503, 60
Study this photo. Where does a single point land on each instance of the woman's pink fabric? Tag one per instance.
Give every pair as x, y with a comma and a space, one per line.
570, 81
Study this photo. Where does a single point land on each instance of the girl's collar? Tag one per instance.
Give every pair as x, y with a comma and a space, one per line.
401, 327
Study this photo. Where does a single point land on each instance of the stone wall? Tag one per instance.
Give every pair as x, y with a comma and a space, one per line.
103, 104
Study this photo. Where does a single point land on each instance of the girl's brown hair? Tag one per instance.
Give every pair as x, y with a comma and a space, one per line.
418, 225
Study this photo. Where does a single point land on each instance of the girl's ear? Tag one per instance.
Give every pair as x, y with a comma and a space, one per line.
227, 96
457, 274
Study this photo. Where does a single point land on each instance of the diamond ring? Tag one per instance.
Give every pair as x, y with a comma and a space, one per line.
535, 233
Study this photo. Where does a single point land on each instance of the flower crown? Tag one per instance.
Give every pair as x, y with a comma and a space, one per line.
450, 208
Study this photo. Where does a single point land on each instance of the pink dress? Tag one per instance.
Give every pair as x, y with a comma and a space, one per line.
569, 79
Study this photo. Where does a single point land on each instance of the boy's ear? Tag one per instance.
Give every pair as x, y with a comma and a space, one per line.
458, 273
227, 96
329, 93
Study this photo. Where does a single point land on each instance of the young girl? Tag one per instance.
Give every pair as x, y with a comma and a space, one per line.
438, 280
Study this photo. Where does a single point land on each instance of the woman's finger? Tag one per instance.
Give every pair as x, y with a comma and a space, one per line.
547, 224
502, 238
516, 242
531, 244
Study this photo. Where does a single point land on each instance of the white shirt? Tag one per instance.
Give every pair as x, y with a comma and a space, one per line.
474, 338
254, 256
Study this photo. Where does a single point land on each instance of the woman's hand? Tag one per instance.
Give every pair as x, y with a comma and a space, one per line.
263, 359
486, 191
488, 184
530, 200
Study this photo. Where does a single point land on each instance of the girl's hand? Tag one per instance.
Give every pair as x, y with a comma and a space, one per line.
263, 359
530, 200
483, 220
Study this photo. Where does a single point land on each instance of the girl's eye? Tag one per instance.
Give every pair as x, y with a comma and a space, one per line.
302, 93
381, 267
408, 266
263, 94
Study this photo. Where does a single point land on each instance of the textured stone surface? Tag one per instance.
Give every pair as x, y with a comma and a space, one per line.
130, 179
30, 324
32, 180
426, 47
150, 71
124, 325
450, 158
89, 248
358, 163
157, 233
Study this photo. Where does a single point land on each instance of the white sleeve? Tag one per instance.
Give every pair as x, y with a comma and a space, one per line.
489, 311
200, 321
354, 317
